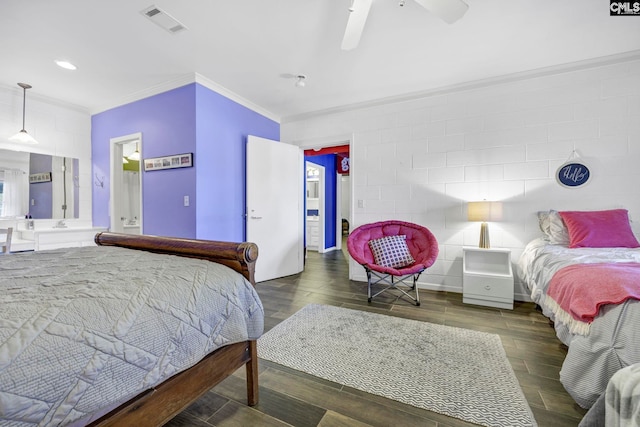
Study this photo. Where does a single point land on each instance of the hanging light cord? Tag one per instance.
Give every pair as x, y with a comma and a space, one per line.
24, 87
24, 104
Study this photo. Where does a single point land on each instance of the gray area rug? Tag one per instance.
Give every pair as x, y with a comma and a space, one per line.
453, 371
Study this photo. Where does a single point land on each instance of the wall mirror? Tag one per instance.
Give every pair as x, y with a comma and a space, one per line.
40, 185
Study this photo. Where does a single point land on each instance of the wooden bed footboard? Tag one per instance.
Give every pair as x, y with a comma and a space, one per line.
158, 405
239, 256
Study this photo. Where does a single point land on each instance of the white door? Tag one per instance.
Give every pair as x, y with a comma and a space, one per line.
274, 206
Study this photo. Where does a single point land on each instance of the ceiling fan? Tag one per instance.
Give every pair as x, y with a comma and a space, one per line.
447, 10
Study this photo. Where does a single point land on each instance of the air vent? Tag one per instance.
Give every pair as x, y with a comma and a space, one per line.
163, 19
152, 12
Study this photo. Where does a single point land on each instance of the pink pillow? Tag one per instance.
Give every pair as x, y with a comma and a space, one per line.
599, 229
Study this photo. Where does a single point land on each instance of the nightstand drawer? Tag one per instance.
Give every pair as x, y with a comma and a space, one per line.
492, 288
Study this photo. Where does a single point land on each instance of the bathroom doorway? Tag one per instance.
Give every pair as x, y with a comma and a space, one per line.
126, 184
315, 175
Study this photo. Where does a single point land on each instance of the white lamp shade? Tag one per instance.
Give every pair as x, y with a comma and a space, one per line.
484, 211
134, 156
23, 137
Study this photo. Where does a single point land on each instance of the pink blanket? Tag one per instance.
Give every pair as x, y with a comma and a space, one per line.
581, 289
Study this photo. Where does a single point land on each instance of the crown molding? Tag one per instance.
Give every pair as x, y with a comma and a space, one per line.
146, 93
183, 81
210, 84
602, 61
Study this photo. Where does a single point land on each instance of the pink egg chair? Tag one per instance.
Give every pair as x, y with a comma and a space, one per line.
382, 250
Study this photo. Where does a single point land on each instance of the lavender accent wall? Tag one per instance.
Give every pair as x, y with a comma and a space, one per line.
190, 119
222, 129
42, 192
167, 123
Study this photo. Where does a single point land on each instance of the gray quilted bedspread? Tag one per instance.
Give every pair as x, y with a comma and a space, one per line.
84, 328
613, 341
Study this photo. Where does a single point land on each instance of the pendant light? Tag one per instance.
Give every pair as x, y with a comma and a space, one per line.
23, 137
135, 155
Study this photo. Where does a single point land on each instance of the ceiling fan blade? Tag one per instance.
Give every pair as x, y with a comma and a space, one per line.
357, 18
447, 10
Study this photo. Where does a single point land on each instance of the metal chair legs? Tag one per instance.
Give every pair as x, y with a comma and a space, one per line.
393, 282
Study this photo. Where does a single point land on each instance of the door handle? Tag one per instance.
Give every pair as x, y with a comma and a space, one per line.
256, 217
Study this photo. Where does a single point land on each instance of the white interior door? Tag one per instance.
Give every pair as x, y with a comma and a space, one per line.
275, 171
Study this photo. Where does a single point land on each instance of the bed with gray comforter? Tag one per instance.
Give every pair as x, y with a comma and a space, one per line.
613, 340
84, 329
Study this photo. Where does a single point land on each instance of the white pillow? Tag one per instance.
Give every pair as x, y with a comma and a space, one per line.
544, 222
553, 227
558, 232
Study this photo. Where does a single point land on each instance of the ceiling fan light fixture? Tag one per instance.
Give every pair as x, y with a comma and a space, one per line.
23, 137
448, 10
301, 80
355, 24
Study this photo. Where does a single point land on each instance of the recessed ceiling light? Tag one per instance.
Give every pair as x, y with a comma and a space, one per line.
66, 65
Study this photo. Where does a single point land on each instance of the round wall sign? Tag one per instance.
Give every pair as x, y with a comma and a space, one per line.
573, 174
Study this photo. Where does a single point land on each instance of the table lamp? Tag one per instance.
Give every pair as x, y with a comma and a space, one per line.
484, 211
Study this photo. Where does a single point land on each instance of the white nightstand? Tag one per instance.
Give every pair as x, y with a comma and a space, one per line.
487, 277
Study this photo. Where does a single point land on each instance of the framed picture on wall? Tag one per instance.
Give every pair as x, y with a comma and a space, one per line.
40, 177
169, 162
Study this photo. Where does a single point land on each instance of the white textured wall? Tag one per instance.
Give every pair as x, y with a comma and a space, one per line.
421, 160
61, 130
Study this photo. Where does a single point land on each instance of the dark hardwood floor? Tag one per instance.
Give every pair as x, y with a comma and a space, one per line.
289, 397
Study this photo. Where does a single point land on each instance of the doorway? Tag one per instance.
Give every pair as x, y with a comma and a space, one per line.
336, 195
125, 199
315, 214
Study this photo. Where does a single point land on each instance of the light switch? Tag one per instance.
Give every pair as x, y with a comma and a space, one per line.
361, 203
186, 200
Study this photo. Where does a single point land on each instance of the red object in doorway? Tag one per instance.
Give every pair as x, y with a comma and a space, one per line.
342, 164
344, 149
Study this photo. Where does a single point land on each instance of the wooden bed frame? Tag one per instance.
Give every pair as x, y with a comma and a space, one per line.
160, 404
